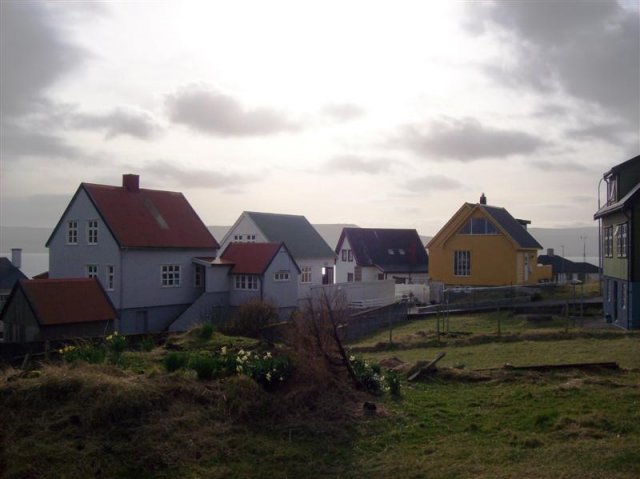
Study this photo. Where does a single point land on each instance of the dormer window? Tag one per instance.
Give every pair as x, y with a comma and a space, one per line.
390, 251
401, 251
612, 190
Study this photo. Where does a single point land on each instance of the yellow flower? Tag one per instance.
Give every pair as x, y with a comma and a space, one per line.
223, 350
268, 376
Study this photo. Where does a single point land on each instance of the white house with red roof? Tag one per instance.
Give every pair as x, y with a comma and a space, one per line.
141, 245
245, 272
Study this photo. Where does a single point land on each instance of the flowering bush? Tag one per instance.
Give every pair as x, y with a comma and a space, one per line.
264, 369
115, 345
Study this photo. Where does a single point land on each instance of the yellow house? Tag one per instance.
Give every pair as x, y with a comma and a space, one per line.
484, 245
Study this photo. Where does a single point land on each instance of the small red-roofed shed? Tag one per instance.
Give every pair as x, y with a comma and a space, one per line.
55, 309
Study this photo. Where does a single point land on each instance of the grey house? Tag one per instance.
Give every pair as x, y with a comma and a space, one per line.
313, 255
140, 244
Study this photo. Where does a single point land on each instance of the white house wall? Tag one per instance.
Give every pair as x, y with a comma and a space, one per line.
283, 294
316, 265
343, 268
244, 227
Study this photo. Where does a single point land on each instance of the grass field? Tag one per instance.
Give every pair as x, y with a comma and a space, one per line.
137, 420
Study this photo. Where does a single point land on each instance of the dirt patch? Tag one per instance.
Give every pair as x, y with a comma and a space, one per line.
393, 363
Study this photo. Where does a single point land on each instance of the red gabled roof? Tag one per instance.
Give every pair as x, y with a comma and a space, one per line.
250, 258
150, 218
143, 218
65, 301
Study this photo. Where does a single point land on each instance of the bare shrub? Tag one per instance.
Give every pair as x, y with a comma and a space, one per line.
250, 318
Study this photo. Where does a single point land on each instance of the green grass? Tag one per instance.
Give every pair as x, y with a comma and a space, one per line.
137, 420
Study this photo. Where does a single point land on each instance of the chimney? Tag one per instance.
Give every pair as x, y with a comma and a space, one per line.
483, 199
16, 257
550, 252
131, 183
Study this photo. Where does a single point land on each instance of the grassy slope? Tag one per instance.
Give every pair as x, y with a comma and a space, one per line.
88, 421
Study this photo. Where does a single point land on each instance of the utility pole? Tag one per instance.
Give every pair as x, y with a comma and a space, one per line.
584, 273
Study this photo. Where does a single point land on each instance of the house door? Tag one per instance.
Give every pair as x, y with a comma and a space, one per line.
327, 277
142, 322
526, 267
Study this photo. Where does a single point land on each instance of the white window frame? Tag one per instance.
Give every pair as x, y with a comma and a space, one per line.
92, 232
72, 232
622, 241
608, 242
246, 282
305, 274
170, 275
462, 263
110, 274
344, 255
350, 256
281, 276
91, 270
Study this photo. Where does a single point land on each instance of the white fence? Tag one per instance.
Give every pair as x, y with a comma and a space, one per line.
367, 294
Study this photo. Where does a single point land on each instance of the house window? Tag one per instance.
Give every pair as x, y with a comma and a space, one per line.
72, 232
401, 251
478, 226
281, 276
390, 251
305, 276
608, 241
111, 277
462, 263
623, 296
349, 255
198, 276
251, 238
612, 190
170, 275
380, 276
237, 237
246, 282
91, 270
92, 232
344, 255
622, 232
349, 277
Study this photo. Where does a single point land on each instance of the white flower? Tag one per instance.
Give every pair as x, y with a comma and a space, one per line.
268, 376
241, 352
268, 355
352, 358
239, 369
223, 350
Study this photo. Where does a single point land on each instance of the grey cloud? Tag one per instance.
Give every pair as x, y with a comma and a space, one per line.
614, 132
33, 55
19, 143
205, 109
465, 140
343, 111
357, 164
121, 121
427, 183
165, 172
563, 165
588, 49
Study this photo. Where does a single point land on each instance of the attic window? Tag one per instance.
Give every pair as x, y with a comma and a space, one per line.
401, 251
478, 226
390, 251
151, 208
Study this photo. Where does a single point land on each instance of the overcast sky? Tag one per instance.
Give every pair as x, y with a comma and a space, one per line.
386, 114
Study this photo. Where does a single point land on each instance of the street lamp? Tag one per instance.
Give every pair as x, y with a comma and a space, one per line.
584, 273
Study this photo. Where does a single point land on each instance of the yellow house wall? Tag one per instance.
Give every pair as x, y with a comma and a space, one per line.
493, 260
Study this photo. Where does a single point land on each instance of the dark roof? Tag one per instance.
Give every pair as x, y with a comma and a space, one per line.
250, 258
9, 274
621, 204
65, 301
390, 250
302, 240
511, 226
622, 166
563, 265
147, 218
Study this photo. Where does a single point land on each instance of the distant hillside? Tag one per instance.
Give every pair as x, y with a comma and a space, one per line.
31, 240
570, 238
